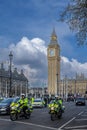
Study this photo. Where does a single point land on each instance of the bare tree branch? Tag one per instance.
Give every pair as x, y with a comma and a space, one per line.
75, 15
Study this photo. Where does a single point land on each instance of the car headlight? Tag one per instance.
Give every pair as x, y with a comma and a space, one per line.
3, 108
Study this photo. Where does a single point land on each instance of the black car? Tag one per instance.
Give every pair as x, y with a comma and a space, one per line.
5, 105
80, 101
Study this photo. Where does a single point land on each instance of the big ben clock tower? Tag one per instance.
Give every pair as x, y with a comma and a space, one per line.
53, 54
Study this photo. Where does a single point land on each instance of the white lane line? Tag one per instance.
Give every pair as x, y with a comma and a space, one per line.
66, 123
26, 123
74, 127
80, 113
79, 129
4, 119
85, 112
84, 115
80, 119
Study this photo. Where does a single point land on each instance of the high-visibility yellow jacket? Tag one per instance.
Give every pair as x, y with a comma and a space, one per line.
60, 101
23, 101
32, 100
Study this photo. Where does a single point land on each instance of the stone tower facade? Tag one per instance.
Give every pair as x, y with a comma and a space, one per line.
53, 55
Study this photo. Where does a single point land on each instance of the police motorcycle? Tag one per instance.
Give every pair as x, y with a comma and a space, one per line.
55, 110
16, 111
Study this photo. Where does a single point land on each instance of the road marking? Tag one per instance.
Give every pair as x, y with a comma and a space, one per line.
4, 119
78, 129
84, 115
85, 112
74, 127
80, 113
26, 123
80, 119
66, 123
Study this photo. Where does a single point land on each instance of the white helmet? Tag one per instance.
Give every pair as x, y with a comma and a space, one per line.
56, 96
22, 94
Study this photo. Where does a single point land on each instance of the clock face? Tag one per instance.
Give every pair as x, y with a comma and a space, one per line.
52, 52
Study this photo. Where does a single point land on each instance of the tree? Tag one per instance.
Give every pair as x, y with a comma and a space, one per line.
75, 14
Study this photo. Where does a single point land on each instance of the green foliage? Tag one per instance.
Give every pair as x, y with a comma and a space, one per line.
75, 14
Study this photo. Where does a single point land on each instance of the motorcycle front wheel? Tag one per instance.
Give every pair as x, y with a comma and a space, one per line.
52, 117
13, 116
27, 114
60, 114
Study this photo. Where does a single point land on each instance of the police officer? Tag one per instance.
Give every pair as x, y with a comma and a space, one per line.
24, 102
32, 100
58, 101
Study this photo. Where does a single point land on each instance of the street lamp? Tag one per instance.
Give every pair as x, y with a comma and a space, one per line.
57, 84
75, 87
10, 67
63, 88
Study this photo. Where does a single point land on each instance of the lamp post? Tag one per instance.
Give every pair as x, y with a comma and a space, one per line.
63, 88
75, 88
26, 88
10, 67
57, 84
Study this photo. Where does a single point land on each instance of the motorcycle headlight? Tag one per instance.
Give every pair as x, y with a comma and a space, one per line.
63, 107
12, 108
52, 108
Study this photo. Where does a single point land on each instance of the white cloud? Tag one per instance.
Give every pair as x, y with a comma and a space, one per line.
27, 50
31, 56
70, 68
39, 44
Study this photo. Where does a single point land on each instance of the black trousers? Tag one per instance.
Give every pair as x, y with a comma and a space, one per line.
24, 109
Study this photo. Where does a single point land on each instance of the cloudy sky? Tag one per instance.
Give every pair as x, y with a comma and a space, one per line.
25, 29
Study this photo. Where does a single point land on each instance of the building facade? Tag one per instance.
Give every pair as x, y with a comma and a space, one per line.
53, 55
66, 86
76, 86
19, 82
38, 92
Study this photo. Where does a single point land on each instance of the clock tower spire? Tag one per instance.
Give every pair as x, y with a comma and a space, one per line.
53, 55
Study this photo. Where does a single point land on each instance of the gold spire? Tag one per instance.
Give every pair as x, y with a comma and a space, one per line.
54, 36
53, 40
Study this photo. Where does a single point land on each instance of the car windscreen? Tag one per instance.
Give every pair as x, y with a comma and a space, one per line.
80, 99
37, 101
15, 99
9, 100
1, 100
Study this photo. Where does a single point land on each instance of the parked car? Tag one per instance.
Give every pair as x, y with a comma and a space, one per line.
80, 101
1, 99
15, 100
38, 103
5, 105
